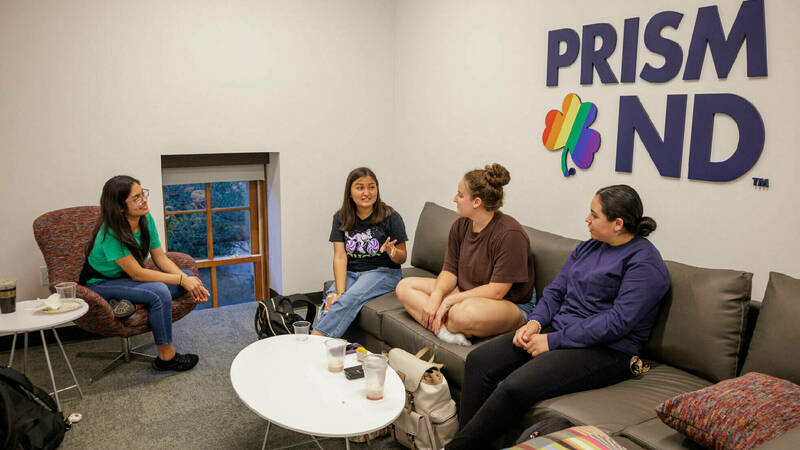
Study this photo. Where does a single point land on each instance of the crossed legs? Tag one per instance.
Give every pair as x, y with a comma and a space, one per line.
479, 317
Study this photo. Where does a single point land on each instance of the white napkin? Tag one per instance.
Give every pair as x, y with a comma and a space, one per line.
52, 303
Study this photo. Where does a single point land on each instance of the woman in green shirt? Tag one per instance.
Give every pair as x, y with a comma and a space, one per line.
124, 237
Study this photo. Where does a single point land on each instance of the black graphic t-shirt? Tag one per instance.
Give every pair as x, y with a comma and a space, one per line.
363, 242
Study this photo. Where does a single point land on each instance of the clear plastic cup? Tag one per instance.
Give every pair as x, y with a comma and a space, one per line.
66, 289
375, 375
301, 329
334, 348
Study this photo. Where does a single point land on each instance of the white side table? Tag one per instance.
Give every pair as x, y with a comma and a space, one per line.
287, 383
25, 320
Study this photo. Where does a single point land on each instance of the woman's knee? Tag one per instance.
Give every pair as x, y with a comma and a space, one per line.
403, 288
511, 391
162, 296
480, 359
464, 316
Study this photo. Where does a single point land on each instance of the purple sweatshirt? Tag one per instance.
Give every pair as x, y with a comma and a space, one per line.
604, 295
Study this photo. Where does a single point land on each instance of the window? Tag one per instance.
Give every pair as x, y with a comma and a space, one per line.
220, 224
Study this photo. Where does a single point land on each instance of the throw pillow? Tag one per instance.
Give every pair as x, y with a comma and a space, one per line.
739, 413
583, 437
776, 329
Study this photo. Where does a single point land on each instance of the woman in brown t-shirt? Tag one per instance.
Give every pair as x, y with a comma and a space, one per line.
486, 284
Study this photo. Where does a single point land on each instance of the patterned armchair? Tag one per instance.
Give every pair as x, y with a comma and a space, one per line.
63, 236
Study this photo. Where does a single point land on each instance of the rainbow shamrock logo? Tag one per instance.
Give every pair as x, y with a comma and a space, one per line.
571, 131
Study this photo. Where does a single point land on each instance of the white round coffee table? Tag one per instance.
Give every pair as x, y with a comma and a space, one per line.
24, 320
287, 383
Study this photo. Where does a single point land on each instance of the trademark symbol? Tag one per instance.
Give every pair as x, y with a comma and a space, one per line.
761, 183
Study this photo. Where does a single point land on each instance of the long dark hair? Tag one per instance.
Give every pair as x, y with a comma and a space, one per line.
347, 213
622, 201
487, 184
113, 220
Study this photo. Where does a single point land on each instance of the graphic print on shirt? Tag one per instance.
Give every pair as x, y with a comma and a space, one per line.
361, 245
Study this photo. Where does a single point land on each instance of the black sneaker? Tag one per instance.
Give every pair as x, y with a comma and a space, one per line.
178, 363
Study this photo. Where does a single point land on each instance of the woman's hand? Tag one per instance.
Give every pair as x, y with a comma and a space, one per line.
195, 287
388, 247
524, 333
441, 316
331, 300
537, 345
430, 310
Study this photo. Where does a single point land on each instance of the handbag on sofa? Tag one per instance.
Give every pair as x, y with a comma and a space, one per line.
275, 316
429, 419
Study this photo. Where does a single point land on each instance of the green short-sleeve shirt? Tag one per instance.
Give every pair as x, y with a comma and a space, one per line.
107, 249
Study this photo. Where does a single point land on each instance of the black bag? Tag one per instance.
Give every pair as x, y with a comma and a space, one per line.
544, 427
276, 315
29, 418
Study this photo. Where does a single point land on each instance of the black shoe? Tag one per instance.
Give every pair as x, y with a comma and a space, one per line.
122, 309
178, 363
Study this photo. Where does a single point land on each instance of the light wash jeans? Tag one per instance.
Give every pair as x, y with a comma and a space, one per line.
361, 286
156, 295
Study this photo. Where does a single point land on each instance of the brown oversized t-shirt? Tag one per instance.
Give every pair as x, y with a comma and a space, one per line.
500, 253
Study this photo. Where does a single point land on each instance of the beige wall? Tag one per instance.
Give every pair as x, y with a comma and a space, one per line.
419, 90
471, 90
91, 89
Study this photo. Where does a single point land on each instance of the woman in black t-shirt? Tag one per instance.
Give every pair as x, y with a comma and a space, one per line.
369, 244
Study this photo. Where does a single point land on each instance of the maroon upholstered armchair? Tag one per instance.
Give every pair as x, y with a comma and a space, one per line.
63, 236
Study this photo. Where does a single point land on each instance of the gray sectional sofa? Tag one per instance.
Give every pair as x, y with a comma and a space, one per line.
701, 337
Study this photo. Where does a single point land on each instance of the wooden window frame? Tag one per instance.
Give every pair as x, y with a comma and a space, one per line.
258, 238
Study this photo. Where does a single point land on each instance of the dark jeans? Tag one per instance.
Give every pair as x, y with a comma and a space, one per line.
488, 410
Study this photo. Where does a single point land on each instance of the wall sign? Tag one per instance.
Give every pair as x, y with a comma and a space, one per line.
667, 152
569, 128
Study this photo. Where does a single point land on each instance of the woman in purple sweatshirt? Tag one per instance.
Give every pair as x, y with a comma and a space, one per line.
591, 320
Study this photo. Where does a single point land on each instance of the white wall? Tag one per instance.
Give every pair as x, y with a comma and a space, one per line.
420, 91
91, 89
471, 90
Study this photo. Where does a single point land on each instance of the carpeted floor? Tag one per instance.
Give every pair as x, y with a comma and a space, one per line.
137, 407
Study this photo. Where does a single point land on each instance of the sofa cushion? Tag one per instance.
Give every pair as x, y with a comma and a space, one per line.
701, 321
776, 328
430, 239
742, 412
401, 330
654, 433
550, 251
615, 407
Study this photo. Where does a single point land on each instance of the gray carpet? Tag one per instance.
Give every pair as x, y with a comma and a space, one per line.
136, 407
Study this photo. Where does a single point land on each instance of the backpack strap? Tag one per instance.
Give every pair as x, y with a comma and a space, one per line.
20, 382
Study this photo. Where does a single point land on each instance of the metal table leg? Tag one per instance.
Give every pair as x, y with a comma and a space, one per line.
25, 355
68, 364
50, 368
13, 346
266, 435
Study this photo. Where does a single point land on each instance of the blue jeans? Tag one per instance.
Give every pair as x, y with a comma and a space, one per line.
156, 295
527, 308
361, 286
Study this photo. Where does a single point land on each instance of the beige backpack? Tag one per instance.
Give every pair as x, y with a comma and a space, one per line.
429, 419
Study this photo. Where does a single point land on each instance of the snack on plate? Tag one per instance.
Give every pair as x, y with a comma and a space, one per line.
361, 352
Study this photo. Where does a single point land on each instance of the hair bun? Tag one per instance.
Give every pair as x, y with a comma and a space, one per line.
646, 226
497, 175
